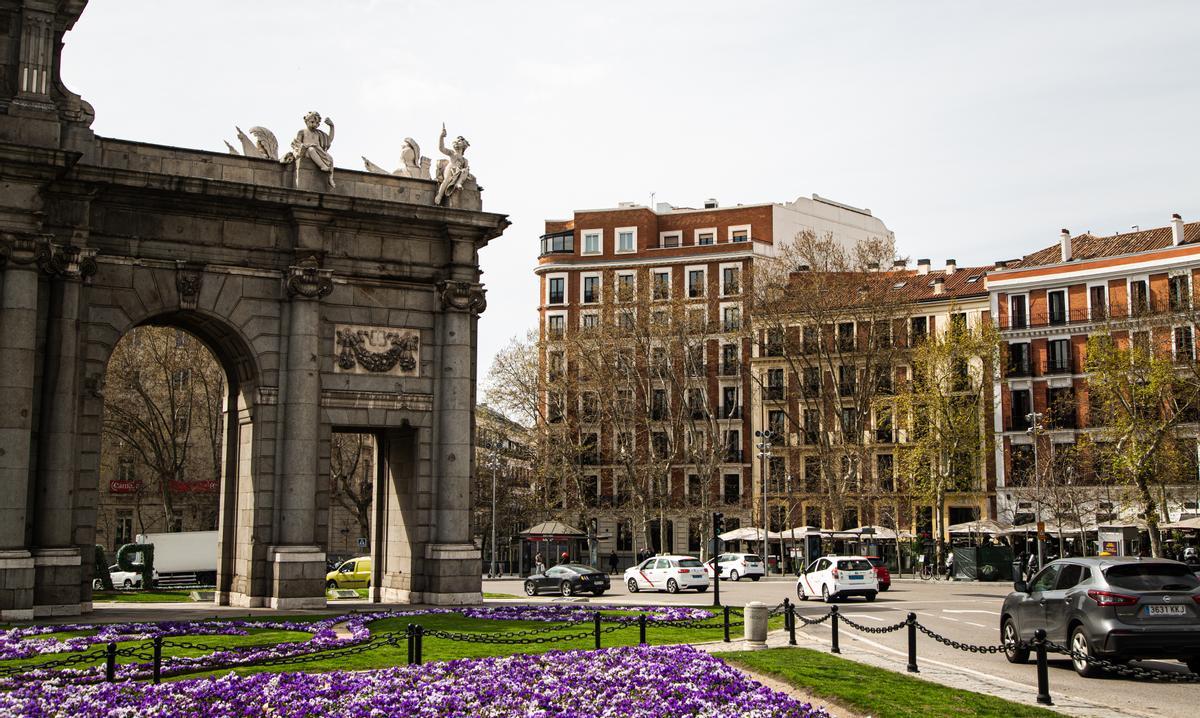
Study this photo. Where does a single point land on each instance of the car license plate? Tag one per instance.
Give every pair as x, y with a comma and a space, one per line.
854, 577
1166, 610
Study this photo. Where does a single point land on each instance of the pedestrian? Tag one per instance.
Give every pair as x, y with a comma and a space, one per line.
612, 563
539, 564
1032, 567
564, 558
950, 565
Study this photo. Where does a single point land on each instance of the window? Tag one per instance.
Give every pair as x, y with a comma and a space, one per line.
593, 242
625, 535
812, 474
813, 516
883, 425
556, 290
626, 287
1098, 301
176, 523
774, 388
885, 472
808, 340
123, 530
919, 330
1139, 298
812, 426
694, 492
845, 336
661, 285
591, 289
554, 403
625, 445
697, 319
731, 488
731, 319
660, 445
658, 404
776, 470
729, 359
731, 280
179, 378
1018, 359
1058, 356
739, 234
589, 321
670, 240
696, 404
625, 319
705, 237
1057, 303
1179, 295
182, 423
850, 423
1021, 405
884, 376
1060, 402
557, 361
773, 346
695, 360
729, 403
847, 380
627, 239
958, 322
554, 326
1019, 314
695, 283
590, 404
881, 334
1022, 465
1185, 347
125, 469
776, 422
590, 445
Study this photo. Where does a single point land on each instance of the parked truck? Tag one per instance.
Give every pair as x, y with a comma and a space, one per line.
184, 558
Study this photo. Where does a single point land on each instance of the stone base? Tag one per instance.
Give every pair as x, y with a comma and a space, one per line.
16, 585
454, 578
298, 577
57, 582
240, 600
395, 595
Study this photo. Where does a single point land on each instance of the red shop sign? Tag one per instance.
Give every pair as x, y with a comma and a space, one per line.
124, 486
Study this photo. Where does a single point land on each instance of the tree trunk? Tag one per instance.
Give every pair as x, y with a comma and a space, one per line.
1150, 506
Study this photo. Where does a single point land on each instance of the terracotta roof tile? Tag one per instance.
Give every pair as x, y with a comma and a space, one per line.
1088, 246
907, 285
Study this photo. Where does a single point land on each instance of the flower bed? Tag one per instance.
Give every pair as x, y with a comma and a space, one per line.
646, 681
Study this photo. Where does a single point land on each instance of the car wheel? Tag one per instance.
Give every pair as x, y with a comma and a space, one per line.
127, 584
331, 585
885, 587
1080, 647
800, 594
701, 589
632, 586
598, 592
825, 594
755, 578
1193, 664
566, 589
1011, 641
672, 587
530, 589
733, 576
871, 595
97, 585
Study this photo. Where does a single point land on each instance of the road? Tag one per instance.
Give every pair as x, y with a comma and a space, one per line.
964, 612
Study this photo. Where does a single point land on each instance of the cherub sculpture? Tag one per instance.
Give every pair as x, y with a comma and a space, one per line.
454, 172
264, 145
412, 164
313, 144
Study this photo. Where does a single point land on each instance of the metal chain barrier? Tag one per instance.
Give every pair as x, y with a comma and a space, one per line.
958, 646
502, 639
872, 629
1121, 669
812, 621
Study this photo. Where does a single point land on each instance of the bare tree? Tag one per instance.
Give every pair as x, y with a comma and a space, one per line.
350, 477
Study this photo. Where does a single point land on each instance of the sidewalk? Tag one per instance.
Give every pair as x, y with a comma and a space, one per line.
856, 648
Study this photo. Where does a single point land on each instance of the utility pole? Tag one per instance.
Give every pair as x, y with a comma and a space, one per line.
494, 465
718, 526
766, 438
1035, 430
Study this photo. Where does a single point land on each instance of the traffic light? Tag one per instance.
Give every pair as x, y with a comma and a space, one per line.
718, 522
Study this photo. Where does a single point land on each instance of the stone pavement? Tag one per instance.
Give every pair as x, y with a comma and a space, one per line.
860, 650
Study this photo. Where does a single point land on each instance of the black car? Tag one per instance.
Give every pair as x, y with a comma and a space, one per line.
568, 579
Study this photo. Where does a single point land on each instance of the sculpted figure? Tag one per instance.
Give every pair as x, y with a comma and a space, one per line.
263, 145
412, 164
312, 143
454, 172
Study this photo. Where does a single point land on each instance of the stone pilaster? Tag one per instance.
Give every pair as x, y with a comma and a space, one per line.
298, 563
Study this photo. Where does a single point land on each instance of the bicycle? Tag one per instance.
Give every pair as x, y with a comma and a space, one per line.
928, 572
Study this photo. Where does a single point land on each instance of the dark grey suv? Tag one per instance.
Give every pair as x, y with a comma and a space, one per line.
1116, 608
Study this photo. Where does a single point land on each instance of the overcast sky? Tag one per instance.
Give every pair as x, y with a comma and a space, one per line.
974, 131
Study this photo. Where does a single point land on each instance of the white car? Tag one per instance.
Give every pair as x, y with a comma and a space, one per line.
121, 579
734, 566
667, 573
835, 577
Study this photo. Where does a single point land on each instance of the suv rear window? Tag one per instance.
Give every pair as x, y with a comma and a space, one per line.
854, 565
876, 562
751, 558
1152, 577
689, 563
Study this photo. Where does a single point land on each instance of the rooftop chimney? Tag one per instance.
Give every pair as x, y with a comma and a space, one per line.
939, 285
1176, 230
922, 266
711, 203
1001, 264
1065, 245
802, 268
873, 266
951, 266
900, 264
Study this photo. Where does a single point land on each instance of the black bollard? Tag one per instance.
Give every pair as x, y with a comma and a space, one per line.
790, 622
1043, 676
833, 623
110, 663
912, 643
642, 629
420, 639
412, 644
726, 624
157, 659
596, 620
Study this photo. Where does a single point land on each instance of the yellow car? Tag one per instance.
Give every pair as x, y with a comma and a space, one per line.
354, 573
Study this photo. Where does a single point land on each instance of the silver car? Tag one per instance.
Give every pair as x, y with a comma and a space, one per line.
1114, 608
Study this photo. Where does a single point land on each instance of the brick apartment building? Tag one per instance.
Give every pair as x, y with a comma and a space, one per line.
597, 266
1047, 304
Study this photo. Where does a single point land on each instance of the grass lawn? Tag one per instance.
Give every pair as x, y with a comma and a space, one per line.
143, 596
875, 691
501, 595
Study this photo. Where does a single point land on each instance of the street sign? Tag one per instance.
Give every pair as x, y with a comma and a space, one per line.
867, 530
1041, 530
362, 542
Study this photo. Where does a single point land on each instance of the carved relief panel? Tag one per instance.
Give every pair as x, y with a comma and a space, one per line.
376, 350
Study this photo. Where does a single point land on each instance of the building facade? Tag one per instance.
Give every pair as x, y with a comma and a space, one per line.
1047, 305
675, 284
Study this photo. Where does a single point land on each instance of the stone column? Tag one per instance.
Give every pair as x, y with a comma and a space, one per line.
18, 337
453, 562
299, 564
58, 562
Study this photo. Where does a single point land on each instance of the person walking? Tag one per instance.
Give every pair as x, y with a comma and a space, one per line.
613, 561
950, 565
539, 564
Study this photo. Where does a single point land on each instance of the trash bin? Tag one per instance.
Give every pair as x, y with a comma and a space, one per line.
772, 564
1016, 570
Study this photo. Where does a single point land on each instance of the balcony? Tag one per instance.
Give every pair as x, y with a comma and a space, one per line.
558, 243
731, 412
1058, 366
773, 393
696, 369
730, 368
1019, 368
733, 456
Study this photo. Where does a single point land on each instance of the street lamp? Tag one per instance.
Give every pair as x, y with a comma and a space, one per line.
1035, 430
766, 438
493, 463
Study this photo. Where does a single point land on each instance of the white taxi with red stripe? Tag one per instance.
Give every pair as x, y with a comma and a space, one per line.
667, 573
836, 577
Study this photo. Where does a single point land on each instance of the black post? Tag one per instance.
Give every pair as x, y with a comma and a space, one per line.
789, 621
157, 658
420, 639
596, 619
642, 629
727, 624
912, 643
412, 644
110, 663
1043, 676
833, 621
718, 524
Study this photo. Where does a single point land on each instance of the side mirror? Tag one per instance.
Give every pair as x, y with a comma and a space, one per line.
1021, 587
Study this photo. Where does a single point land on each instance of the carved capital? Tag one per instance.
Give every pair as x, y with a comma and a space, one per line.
71, 262
462, 296
307, 280
189, 276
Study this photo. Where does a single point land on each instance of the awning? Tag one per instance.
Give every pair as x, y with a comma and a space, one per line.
552, 528
748, 533
1193, 523
983, 526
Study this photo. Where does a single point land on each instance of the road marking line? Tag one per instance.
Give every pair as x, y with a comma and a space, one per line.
965, 610
867, 616
977, 625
